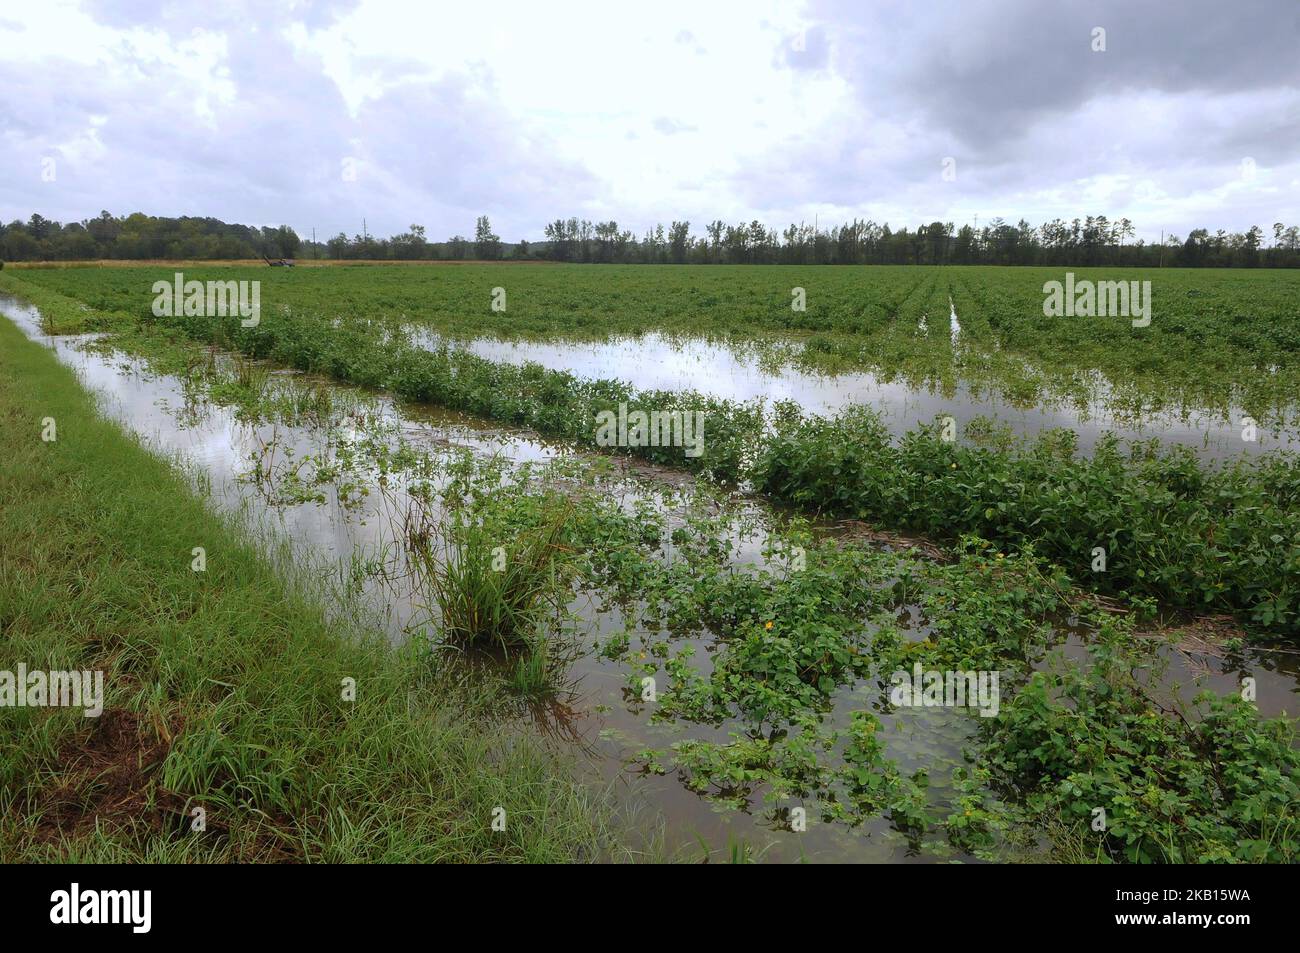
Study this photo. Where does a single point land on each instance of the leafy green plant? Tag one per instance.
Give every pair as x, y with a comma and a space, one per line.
1219, 785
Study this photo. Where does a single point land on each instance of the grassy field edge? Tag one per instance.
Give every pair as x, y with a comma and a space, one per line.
226, 734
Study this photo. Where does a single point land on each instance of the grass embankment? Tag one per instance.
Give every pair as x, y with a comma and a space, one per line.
223, 688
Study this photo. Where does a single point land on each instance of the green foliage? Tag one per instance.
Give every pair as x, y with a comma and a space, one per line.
1221, 538
788, 700
1222, 785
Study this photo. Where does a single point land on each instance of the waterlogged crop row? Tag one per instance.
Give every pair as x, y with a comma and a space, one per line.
1225, 341
1215, 340
1149, 522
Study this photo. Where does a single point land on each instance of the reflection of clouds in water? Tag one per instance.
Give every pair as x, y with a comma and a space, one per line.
656, 362
217, 441
223, 447
212, 439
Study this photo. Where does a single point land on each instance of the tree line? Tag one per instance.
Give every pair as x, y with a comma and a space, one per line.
1094, 240
139, 236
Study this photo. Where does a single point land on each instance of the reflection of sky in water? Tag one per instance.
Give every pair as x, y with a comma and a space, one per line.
655, 362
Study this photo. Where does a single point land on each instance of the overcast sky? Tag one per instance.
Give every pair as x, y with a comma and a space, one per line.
322, 114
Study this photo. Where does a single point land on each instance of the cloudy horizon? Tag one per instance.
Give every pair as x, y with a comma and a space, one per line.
323, 115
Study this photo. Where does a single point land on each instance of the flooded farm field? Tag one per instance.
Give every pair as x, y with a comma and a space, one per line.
408, 460
654, 686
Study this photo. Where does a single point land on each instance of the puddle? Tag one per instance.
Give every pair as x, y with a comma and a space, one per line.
345, 530
654, 361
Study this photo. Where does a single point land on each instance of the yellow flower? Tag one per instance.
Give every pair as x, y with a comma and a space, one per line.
954, 466
768, 626
1001, 556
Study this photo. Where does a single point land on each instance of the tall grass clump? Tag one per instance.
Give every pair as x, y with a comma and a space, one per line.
492, 589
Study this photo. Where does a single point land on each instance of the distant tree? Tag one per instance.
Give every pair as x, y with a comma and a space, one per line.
288, 241
963, 250
487, 245
1250, 246
557, 236
18, 245
104, 229
75, 244
38, 226
679, 241
714, 230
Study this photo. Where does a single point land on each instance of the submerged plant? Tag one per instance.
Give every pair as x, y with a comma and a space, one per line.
489, 589
537, 671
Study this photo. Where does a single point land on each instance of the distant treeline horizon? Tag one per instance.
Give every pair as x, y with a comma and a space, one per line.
1092, 241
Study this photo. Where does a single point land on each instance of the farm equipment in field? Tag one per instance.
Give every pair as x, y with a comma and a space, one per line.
279, 262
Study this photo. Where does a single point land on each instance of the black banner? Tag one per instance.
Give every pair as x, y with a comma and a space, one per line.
138, 904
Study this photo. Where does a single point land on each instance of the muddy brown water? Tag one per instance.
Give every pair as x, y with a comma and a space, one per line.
596, 718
